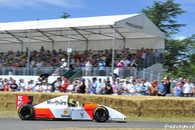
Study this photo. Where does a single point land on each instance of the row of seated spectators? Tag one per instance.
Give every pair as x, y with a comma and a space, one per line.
115, 86
54, 59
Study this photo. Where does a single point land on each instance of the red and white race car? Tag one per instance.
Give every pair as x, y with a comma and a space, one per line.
58, 108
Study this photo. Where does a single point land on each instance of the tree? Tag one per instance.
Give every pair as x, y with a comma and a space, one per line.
164, 14
65, 15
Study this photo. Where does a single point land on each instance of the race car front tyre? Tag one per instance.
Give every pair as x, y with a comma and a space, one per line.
26, 112
100, 114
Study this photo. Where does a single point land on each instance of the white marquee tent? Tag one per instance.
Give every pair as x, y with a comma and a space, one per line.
133, 31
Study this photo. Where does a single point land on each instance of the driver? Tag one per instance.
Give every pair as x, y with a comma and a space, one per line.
72, 102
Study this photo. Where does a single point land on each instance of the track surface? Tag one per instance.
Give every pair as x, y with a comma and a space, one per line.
17, 124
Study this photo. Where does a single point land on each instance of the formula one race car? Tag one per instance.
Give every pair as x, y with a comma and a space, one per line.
58, 108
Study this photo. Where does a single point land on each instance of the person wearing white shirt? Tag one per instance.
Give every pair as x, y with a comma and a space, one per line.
70, 87
21, 85
127, 88
45, 87
149, 86
30, 86
38, 87
100, 87
187, 88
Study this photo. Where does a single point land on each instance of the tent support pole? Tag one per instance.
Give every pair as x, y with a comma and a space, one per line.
68, 49
87, 45
113, 50
29, 48
124, 44
52, 45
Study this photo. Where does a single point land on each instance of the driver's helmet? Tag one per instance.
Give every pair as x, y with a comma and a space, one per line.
72, 102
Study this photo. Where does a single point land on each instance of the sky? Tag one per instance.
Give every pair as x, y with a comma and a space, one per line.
27, 10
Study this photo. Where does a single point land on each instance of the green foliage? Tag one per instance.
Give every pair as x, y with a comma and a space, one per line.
179, 54
164, 14
65, 15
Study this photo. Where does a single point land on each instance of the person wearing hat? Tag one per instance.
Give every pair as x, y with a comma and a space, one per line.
128, 88
38, 87
45, 87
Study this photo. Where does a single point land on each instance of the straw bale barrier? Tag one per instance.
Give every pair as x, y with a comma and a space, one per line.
128, 105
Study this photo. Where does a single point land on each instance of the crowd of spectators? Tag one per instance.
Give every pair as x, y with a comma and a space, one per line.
114, 86
88, 58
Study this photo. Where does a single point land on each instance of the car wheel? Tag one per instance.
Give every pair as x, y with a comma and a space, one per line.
100, 114
26, 112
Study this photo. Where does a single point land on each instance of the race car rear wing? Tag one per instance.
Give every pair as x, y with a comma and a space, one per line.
22, 100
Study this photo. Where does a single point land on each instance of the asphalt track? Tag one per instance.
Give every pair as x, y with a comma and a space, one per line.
17, 124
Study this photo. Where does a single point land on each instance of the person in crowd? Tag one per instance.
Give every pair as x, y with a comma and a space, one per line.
64, 84
63, 63
102, 67
22, 85
88, 66
154, 84
114, 88
134, 88
92, 87
128, 88
142, 88
134, 64
116, 72
70, 87
76, 85
57, 85
30, 86
88, 84
5, 87
13, 86
168, 84
149, 86
121, 67
177, 90
82, 88
100, 89
108, 88
162, 88
187, 88
118, 86
38, 87
1, 85
45, 86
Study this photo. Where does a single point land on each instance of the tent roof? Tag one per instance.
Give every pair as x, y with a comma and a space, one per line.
82, 29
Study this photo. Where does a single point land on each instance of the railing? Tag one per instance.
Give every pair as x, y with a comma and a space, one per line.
94, 71
27, 71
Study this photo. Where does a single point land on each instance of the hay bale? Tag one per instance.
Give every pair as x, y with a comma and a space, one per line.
128, 105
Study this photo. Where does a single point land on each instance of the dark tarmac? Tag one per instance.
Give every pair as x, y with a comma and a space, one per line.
18, 124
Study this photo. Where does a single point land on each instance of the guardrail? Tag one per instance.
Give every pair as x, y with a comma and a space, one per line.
93, 71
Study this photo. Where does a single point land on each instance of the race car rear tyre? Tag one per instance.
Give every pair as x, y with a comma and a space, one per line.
100, 114
26, 112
